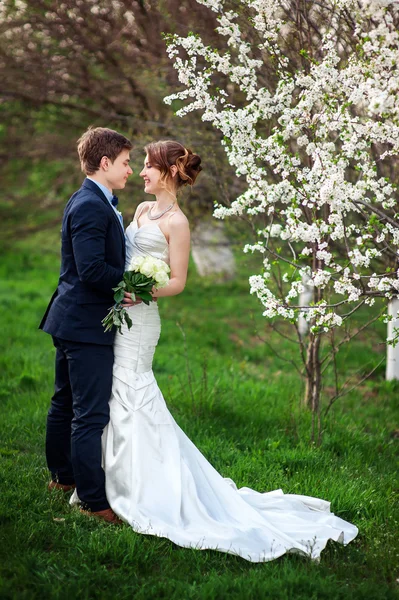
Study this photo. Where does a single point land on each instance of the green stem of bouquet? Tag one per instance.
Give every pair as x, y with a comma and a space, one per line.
136, 284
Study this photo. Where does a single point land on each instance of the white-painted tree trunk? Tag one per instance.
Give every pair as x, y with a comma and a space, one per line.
305, 298
392, 371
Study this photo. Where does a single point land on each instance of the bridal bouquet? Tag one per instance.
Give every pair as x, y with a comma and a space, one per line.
144, 273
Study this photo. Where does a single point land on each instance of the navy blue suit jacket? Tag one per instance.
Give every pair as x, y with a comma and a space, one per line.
92, 263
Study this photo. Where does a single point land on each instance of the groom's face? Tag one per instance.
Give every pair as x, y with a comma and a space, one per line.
119, 171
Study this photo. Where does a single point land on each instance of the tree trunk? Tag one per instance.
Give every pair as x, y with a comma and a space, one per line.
313, 384
305, 298
392, 371
313, 365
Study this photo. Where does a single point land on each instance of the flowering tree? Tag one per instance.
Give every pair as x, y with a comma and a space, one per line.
315, 133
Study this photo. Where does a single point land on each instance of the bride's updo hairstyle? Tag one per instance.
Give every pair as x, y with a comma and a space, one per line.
164, 154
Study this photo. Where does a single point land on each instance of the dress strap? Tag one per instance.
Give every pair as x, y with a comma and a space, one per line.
171, 215
145, 205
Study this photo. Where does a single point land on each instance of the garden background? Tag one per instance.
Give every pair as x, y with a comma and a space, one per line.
226, 376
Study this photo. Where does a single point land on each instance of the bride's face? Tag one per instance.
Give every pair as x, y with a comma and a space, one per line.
152, 177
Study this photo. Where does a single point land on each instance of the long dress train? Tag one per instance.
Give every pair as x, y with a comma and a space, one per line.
161, 484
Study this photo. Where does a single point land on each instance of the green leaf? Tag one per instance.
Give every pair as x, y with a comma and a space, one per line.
147, 284
119, 295
128, 320
146, 297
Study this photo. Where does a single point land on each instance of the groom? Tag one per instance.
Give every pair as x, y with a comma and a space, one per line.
92, 263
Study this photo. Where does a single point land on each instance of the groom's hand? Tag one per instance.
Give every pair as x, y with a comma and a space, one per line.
127, 300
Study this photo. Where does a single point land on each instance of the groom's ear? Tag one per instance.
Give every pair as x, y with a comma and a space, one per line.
104, 163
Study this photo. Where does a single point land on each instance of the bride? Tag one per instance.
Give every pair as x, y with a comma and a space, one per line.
157, 481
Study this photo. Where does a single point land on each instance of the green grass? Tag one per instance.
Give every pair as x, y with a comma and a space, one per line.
241, 406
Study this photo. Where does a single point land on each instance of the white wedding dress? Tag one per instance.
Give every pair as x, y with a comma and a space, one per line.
161, 484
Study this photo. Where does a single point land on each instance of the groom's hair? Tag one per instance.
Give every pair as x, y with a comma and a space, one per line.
97, 142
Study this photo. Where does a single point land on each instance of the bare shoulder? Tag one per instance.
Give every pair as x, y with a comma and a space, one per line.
142, 208
142, 205
179, 222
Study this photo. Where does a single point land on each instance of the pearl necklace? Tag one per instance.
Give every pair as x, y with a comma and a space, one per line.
159, 215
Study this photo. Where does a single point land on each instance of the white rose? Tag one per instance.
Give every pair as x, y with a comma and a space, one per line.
161, 279
135, 263
147, 266
158, 267
164, 268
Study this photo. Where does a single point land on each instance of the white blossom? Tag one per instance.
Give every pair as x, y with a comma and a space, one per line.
337, 228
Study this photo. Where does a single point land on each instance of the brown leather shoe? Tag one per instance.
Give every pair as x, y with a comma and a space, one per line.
107, 515
54, 485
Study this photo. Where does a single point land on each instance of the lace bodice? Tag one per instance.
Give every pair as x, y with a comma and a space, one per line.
147, 240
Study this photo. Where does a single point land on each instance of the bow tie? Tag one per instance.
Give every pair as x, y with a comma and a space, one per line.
114, 201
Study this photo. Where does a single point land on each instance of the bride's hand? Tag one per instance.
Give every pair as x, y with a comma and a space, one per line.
127, 300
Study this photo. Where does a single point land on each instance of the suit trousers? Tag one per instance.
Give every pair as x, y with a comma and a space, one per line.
78, 413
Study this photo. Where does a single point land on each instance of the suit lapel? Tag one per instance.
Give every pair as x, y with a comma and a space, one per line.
94, 188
